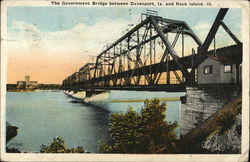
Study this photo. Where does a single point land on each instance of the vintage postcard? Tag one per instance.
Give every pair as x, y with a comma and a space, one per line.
124, 80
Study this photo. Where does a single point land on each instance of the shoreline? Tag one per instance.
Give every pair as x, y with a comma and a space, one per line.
122, 100
81, 100
106, 102
11, 131
35, 90
142, 100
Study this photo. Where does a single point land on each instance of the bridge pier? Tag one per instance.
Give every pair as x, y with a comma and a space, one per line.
91, 92
201, 102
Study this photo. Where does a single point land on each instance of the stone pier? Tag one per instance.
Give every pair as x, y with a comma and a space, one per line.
203, 101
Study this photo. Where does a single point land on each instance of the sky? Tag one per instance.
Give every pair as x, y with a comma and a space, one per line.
50, 43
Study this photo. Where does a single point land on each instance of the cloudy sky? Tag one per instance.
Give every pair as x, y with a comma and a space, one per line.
50, 43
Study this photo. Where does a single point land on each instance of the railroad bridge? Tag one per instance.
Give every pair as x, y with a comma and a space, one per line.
144, 59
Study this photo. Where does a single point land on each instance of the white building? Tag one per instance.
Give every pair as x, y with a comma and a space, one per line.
27, 84
218, 70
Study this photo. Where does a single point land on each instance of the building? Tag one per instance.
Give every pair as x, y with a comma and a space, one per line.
27, 78
31, 84
218, 70
27, 84
21, 84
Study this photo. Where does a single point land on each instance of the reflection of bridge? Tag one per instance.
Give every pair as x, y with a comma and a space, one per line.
145, 58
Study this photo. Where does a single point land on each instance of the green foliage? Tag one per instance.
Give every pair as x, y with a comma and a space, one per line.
57, 145
144, 132
79, 149
104, 147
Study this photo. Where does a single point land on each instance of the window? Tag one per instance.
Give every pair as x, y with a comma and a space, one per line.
228, 68
208, 69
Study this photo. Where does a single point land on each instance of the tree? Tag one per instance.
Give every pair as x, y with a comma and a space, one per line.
144, 132
57, 145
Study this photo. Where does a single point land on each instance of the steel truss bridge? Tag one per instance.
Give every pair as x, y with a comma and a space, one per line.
145, 58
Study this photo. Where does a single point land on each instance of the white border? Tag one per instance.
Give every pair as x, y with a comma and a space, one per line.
123, 157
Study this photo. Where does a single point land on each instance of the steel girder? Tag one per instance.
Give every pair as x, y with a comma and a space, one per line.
202, 50
213, 30
133, 56
144, 34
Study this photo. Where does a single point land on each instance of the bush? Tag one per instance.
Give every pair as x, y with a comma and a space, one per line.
57, 145
12, 150
144, 132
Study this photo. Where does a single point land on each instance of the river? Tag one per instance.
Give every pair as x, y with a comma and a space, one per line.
43, 115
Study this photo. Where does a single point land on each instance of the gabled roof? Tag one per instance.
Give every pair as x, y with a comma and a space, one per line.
223, 59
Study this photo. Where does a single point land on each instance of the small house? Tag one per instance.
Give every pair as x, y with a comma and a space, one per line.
218, 70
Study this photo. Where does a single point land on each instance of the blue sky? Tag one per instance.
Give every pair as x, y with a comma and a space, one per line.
63, 18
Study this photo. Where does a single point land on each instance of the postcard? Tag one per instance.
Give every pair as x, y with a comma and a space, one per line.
121, 80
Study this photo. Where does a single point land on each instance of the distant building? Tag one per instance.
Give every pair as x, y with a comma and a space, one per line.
31, 84
21, 84
27, 84
27, 78
218, 70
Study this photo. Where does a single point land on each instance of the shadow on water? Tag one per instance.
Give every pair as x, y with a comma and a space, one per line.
81, 102
98, 111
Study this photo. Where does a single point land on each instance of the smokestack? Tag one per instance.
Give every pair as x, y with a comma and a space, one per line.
27, 78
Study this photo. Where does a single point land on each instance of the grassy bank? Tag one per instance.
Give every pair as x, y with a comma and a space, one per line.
142, 100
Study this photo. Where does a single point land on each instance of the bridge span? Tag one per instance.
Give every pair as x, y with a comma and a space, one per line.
145, 58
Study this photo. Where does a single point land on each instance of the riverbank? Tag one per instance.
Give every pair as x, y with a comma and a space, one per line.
15, 88
22, 90
11, 131
142, 100
34, 90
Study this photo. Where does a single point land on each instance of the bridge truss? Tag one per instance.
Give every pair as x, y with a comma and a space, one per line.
141, 57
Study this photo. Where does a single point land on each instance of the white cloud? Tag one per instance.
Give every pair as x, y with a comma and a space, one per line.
202, 26
83, 40
80, 39
202, 29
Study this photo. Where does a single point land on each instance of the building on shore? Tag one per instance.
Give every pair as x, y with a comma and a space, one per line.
27, 84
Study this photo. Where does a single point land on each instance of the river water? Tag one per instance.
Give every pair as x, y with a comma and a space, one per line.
43, 115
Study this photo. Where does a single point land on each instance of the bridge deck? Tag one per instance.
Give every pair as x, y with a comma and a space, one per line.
161, 87
234, 52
